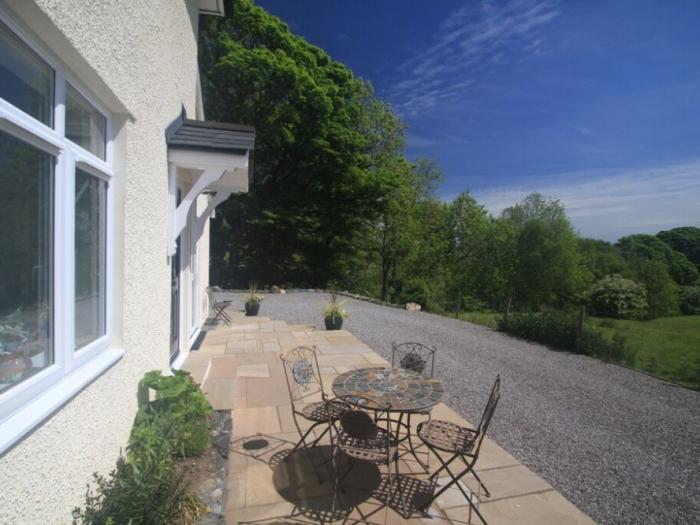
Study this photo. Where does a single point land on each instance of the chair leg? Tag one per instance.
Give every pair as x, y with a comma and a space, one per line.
454, 480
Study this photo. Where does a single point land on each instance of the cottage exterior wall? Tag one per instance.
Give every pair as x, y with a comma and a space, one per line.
145, 53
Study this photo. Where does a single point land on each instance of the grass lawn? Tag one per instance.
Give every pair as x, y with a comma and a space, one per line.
668, 347
489, 319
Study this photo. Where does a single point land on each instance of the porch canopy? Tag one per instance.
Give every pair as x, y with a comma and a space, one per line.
207, 157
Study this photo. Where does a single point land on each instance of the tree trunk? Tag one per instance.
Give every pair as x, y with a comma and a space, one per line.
581, 319
508, 303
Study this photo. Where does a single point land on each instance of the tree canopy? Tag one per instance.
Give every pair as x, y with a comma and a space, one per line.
326, 149
334, 201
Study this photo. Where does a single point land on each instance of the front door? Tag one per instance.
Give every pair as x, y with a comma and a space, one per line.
175, 302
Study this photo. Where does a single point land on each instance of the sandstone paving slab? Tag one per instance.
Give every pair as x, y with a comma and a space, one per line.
508, 482
271, 346
266, 392
250, 421
331, 349
222, 367
253, 370
375, 359
236, 347
222, 392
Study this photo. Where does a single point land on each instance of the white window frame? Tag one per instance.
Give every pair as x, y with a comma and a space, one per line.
30, 401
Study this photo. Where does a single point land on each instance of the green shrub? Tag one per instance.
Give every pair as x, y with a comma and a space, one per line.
147, 487
593, 343
144, 489
615, 296
180, 412
560, 330
552, 328
690, 300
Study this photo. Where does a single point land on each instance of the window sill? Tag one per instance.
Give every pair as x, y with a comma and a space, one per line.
17, 425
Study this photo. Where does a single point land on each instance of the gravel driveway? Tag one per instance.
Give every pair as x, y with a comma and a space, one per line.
624, 447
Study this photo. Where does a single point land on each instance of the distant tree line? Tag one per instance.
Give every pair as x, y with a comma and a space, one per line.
335, 202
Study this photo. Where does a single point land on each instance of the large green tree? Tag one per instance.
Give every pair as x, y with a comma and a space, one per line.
685, 240
650, 248
325, 147
549, 270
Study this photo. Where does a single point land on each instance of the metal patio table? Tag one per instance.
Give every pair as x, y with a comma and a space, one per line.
404, 390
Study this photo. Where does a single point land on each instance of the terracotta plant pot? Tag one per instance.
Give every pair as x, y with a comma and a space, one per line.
334, 323
252, 309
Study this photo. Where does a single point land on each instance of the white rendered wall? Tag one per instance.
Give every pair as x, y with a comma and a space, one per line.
145, 52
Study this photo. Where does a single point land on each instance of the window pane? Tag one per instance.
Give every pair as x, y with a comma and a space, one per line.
26, 81
90, 247
84, 124
26, 211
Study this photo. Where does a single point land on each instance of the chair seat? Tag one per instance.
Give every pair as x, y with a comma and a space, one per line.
447, 436
323, 411
373, 450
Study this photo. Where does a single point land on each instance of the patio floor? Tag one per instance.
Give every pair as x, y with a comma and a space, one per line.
239, 369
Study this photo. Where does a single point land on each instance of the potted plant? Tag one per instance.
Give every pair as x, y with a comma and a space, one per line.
334, 313
252, 303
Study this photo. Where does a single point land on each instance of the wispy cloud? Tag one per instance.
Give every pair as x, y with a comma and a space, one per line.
610, 205
471, 39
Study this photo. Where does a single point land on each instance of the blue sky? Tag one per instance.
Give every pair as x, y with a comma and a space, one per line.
596, 103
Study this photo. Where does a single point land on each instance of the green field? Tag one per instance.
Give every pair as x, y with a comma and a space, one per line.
668, 347
483, 318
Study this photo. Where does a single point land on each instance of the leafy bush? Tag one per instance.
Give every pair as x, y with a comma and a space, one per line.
147, 487
593, 343
662, 292
615, 296
180, 412
553, 328
690, 300
560, 330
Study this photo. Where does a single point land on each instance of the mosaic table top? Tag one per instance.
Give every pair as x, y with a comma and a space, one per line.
405, 390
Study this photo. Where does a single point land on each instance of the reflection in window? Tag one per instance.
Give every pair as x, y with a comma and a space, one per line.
84, 124
26, 196
90, 218
26, 81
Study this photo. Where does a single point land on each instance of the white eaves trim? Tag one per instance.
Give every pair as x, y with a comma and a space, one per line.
50, 400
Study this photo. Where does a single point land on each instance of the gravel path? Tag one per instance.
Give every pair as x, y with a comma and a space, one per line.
623, 446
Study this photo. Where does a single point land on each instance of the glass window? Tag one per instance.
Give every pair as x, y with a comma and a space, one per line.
26, 81
90, 246
26, 210
84, 124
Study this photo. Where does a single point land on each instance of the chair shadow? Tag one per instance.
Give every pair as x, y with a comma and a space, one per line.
365, 489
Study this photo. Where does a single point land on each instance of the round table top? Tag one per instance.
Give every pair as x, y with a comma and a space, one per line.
404, 390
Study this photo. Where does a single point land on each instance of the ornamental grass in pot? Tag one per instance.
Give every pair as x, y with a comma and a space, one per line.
334, 313
252, 303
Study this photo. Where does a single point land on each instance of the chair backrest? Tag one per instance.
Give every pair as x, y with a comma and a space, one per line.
364, 417
486, 417
416, 357
302, 373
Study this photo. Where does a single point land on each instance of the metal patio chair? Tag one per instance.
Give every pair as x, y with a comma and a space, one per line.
418, 358
364, 435
463, 443
304, 383
218, 308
